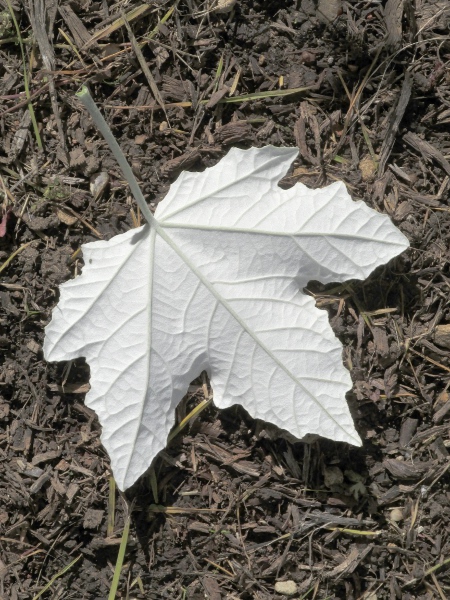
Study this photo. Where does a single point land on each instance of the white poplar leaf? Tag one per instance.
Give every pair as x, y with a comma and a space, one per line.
215, 284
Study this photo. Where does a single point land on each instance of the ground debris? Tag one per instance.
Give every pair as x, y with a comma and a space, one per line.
240, 507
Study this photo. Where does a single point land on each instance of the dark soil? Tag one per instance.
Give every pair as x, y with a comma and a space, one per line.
229, 509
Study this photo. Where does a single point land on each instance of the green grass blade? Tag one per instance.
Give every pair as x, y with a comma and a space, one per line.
55, 577
120, 559
163, 20
25, 77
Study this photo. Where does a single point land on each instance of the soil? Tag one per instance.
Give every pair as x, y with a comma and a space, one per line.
230, 509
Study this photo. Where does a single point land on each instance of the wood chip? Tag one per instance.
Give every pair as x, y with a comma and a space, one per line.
395, 119
404, 470
439, 416
407, 430
79, 32
231, 133
45, 457
393, 13
381, 341
224, 6
71, 492
70, 388
428, 151
20, 136
217, 97
328, 10
93, 518
77, 158
442, 335
357, 554
175, 89
212, 588
185, 161
65, 218
37, 485
439, 448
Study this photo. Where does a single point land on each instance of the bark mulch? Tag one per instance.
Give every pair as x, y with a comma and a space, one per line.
230, 509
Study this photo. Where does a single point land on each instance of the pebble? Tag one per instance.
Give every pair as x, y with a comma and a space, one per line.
396, 515
287, 588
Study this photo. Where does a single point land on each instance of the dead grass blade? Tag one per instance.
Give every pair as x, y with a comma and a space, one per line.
111, 507
143, 64
194, 412
234, 99
42, 14
132, 15
161, 22
176, 510
263, 95
13, 255
354, 102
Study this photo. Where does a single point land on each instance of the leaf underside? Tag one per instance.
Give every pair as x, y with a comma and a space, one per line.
215, 284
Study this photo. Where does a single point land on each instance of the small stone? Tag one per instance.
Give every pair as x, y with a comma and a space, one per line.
224, 6
77, 157
286, 588
140, 139
307, 58
98, 184
65, 218
368, 168
33, 346
333, 476
92, 518
396, 515
329, 10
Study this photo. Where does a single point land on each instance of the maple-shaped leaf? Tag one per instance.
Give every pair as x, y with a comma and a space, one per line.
215, 284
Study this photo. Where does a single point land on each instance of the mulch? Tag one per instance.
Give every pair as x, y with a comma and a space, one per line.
231, 509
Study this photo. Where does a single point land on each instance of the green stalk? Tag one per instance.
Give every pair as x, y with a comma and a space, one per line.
120, 559
48, 585
25, 78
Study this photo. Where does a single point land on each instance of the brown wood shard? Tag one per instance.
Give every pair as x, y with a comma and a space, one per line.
355, 556
393, 13
79, 32
394, 123
428, 151
180, 163
231, 133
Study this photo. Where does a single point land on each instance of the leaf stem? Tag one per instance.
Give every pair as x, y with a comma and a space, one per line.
104, 129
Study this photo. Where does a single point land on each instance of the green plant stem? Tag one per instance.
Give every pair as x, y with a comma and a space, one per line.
55, 577
25, 77
120, 559
104, 129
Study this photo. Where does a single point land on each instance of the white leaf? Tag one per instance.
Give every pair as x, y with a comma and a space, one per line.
215, 284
